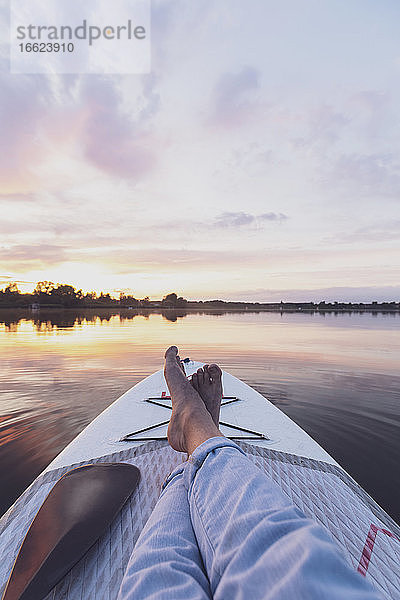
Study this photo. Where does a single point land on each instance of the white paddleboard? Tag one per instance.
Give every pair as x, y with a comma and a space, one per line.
133, 430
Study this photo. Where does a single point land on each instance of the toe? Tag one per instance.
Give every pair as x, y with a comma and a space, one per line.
215, 372
171, 353
207, 375
200, 376
179, 362
194, 381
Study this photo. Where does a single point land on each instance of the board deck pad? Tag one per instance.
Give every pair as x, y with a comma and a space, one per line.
368, 538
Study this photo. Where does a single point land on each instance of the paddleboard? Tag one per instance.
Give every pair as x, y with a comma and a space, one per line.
133, 430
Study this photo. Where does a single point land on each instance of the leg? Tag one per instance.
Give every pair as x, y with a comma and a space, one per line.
166, 562
254, 543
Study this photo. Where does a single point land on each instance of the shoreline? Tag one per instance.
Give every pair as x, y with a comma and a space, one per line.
197, 309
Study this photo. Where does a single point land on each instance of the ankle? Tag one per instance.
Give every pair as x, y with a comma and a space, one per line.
197, 427
191, 416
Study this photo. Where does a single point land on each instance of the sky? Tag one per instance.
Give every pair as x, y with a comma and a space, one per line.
258, 160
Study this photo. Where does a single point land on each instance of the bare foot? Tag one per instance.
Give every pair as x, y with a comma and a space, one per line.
191, 423
208, 383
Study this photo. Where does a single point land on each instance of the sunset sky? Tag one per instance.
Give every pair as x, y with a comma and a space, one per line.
259, 160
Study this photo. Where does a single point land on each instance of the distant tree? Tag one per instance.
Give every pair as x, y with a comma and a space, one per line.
181, 302
125, 300
65, 294
12, 290
216, 302
43, 288
145, 302
104, 298
172, 301
90, 297
169, 300
10, 295
64, 290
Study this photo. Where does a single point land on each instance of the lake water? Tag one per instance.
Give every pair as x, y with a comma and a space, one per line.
336, 375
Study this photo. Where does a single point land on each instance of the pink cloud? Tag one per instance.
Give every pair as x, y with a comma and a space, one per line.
24, 257
111, 139
35, 125
23, 105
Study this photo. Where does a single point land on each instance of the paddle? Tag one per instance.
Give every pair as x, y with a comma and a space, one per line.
73, 516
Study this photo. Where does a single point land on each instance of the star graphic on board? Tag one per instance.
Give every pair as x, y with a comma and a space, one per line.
136, 436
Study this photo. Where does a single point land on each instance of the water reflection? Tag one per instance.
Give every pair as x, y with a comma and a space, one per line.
47, 320
336, 375
62, 319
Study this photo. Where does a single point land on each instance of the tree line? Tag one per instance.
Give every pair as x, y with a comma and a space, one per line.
47, 293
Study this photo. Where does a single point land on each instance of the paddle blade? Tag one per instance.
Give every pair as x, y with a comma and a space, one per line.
76, 512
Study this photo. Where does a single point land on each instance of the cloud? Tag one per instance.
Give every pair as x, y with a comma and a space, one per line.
24, 102
26, 198
367, 174
242, 219
152, 103
322, 126
158, 260
165, 15
232, 97
111, 138
24, 257
384, 231
41, 118
186, 230
122, 258
251, 155
6, 279
371, 101
372, 114
326, 123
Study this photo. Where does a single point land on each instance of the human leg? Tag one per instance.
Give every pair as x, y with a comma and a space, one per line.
253, 541
166, 562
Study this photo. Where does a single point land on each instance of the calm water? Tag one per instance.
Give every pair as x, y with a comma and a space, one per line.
336, 375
